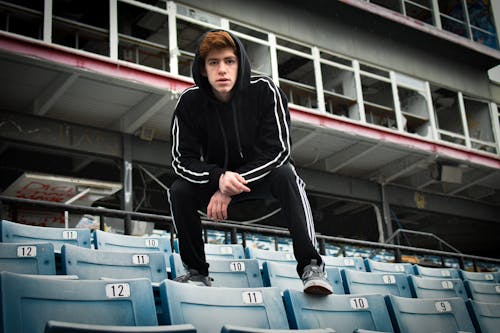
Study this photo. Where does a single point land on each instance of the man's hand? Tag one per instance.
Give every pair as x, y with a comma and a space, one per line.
217, 207
232, 183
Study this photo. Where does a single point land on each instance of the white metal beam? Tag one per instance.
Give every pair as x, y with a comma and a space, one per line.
349, 155
46, 100
139, 114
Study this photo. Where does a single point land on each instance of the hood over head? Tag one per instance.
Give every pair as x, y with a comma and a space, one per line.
244, 71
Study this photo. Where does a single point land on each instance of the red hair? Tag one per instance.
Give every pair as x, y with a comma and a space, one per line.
216, 40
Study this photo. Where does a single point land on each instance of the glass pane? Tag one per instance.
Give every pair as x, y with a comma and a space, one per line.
148, 30
420, 12
340, 90
23, 18
91, 12
486, 38
379, 102
248, 31
414, 111
374, 70
293, 45
389, 4
188, 35
447, 110
297, 79
478, 120
156, 3
198, 15
454, 26
83, 38
334, 58
259, 56
452, 8
480, 15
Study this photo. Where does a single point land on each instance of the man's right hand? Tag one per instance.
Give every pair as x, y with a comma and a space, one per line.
232, 183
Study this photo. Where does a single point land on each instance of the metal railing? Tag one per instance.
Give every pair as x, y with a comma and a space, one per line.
166, 223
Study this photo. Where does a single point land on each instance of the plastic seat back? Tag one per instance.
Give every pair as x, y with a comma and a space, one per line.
269, 255
357, 282
124, 243
27, 258
236, 273
419, 315
423, 287
29, 301
343, 313
486, 277
23, 233
66, 327
208, 309
224, 251
240, 329
355, 263
389, 267
91, 264
485, 316
440, 273
483, 291
284, 276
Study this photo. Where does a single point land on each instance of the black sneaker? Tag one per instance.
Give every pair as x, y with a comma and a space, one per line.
194, 277
314, 279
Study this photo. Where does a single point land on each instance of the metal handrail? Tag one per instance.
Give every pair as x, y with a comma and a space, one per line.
167, 222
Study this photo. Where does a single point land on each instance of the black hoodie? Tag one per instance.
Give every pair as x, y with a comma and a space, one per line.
250, 134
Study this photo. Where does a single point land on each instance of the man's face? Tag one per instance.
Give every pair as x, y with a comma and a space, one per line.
221, 69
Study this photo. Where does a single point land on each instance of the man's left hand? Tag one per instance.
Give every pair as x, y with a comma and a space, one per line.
217, 207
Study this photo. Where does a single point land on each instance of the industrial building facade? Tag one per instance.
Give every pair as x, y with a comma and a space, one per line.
394, 104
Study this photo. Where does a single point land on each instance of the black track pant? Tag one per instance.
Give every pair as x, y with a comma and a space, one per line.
283, 183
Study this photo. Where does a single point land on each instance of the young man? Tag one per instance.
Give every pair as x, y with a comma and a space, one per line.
231, 142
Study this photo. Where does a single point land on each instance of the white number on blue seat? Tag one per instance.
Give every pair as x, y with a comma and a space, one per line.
447, 284
348, 262
252, 297
443, 306
359, 303
151, 242
488, 276
497, 288
389, 279
400, 268
140, 259
289, 256
26, 251
69, 234
117, 290
237, 266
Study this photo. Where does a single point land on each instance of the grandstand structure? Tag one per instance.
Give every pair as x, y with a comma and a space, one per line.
394, 108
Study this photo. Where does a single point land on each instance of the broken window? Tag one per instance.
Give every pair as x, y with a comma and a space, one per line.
448, 115
377, 96
22, 17
143, 36
479, 123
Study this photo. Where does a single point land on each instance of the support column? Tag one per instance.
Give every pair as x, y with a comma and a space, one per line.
127, 193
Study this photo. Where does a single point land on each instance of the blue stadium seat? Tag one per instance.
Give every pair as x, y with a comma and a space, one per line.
237, 273
486, 277
89, 264
66, 327
389, 267
423, 315
208, 309
432, 272
219, 251
485, 316
423, 287
224, 251
284, 276
269, 255
240, 329
23, 233
27, 258
29, 301
343, 313
355, 263
124, 243
483, 291
357, 282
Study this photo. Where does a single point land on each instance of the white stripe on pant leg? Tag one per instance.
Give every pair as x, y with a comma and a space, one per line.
306, 207
172, 212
